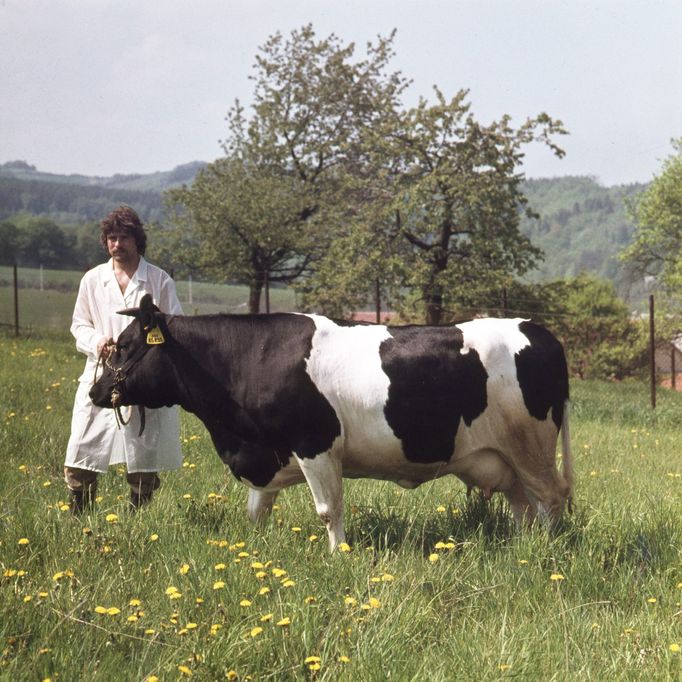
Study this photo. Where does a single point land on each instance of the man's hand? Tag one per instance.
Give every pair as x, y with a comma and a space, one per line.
104, 347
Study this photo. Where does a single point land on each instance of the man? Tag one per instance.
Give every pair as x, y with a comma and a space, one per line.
96, 440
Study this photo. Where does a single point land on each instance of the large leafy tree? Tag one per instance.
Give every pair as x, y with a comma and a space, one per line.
450, 193
270, 209
241, 222
656, 249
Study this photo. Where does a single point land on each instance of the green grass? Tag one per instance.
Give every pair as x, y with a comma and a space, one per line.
486, 609
52, 308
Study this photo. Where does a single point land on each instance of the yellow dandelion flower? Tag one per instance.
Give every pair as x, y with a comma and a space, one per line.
113, 611
296, 529
310, 600
387, 578
171, 590
23, 541
374, 603
440, 509
218, 585
184, 569
101, 609
152, 678
260, 574
344, 547
47, 484
256, 631
344, 659
153, 537
215, 627
312, 538
433, 558
199, 600
675, 648
278, 572
266, 617
283, 622
150, 631
243, 555
245, 603
231, 675
263, 590
350, 601
557, 577
288, 583
43, 595
186, 496
111, 518
184, 670
134, 602
312, 659
257, 565
220, 567
523, 562
652, 600
27, 598
191, 626
503, 666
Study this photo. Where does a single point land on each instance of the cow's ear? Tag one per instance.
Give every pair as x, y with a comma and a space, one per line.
146, 313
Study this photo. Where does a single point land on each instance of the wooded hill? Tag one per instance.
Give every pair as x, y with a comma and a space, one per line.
582, 225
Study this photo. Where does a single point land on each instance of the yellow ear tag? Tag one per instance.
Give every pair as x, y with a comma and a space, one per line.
155, 337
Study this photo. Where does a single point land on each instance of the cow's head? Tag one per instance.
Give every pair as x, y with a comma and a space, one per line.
138, 370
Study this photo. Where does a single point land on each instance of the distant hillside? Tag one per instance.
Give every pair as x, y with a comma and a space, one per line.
582, 226
74, 199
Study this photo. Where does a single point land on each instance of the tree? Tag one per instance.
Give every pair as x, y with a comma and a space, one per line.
600, 338
656, 249
447, 200
43, 242
240, 222
271, 208
9, 243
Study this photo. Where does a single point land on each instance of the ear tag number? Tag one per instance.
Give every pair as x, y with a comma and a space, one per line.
155, 337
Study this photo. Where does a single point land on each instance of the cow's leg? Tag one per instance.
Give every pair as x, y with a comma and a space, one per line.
323, 475
522, 509
259, 504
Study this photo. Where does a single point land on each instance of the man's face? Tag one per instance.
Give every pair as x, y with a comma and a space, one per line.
121, 246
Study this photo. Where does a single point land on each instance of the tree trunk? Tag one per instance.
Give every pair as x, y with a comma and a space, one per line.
434, 308
255, 289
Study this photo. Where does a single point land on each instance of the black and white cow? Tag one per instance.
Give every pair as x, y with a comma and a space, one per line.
289, 398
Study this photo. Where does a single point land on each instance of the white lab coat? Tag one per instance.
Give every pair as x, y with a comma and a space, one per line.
96, 442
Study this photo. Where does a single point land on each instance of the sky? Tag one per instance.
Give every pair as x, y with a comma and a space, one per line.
99, 87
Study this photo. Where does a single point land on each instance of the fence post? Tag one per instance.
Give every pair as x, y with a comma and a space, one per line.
652, 351
16, 301
377, 300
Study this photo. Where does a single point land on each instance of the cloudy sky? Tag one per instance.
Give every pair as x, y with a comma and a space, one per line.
122, 86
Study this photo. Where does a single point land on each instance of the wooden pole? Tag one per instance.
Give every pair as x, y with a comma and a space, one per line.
652, 351
377, 300
267, 291
673, 378
16, 301
505, 303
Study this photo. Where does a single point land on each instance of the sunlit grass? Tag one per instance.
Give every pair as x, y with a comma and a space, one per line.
434, 586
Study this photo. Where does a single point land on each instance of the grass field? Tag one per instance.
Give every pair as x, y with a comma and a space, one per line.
52, 307
433, 588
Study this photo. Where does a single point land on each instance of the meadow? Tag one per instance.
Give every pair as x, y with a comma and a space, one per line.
52, 307
434, 586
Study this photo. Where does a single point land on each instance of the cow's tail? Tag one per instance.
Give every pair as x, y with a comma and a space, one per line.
567, 459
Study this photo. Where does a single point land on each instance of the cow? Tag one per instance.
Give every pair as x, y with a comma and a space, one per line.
291, 397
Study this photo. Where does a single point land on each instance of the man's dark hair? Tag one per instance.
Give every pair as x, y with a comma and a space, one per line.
124, 219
